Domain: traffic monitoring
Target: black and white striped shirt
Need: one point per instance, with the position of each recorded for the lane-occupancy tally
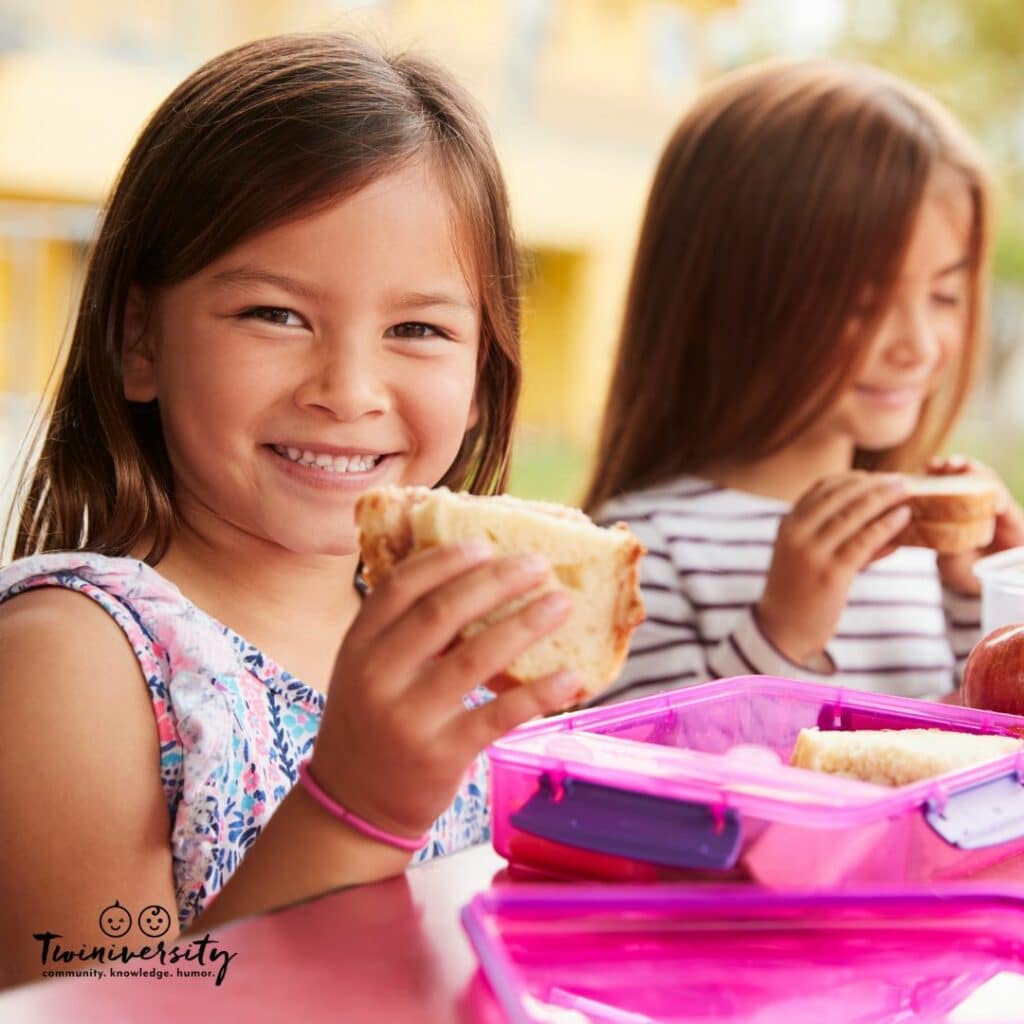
(709, 549)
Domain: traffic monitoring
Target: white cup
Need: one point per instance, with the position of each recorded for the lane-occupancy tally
(1002, 589)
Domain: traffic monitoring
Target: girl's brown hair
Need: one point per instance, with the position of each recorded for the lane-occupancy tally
(260, 134)
(786, 194)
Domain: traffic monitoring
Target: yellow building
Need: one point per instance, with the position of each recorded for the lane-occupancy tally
(580, 93)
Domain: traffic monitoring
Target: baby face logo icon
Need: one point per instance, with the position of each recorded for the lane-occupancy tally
(154, 921)
(115, 921)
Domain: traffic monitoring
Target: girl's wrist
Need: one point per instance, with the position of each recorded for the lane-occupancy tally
(324, 800)
(793, 648)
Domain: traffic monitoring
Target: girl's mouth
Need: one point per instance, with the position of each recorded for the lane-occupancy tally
(890, 398)
(349, 465)
(323, 470)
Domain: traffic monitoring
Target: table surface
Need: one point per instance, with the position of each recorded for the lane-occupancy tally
(393, 951)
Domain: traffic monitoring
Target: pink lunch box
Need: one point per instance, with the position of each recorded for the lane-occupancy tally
(669, 787)
(671, 954)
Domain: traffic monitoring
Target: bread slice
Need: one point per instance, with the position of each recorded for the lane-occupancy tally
(597, 565)
(896, 757)
(951, 513)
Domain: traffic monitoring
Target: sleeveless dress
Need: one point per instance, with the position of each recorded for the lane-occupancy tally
(233, 725)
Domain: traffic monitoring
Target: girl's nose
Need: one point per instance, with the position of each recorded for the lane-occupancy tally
(344, 380)
(914, 340)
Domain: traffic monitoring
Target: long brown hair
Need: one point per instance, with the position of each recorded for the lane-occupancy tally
(788, 192)
(262, 133)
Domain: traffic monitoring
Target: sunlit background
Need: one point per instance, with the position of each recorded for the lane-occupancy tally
(581, 95)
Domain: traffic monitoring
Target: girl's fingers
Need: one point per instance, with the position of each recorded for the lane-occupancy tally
(824, 487)
(874, 539)
(501, 683)
(811, 511)
(476, 729)
(945, 465)
(860, 508)
(487, 655)
(885, 551)
(1009, 525)
(429, 626)
(411, 580)
(836, 503)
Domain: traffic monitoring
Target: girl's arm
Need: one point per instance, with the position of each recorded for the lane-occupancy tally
(396, 738)
(86, 823)
(670, 650)
(839, 526)
(80, 786)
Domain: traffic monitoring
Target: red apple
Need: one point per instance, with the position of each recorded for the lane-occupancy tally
(994, 674)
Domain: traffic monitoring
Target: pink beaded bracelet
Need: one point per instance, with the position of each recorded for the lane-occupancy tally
(332, 806)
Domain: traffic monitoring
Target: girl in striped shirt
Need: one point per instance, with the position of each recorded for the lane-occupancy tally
(803, 322)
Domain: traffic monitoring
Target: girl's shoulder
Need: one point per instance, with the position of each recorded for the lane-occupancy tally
(165, 630)
(127, 579)
(136, 596)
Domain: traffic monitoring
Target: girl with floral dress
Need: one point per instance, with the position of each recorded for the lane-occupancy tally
(304, 285)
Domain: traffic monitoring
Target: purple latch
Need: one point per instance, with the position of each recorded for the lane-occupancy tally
(985, 814)
(672, 833)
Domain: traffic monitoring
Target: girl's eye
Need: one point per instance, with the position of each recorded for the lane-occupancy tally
(952, 301)
(273, 315)
(414, 329)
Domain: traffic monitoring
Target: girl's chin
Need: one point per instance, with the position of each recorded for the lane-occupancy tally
(879, 442)
(323, 546)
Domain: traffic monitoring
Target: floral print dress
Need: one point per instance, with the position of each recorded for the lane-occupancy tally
(233, 725)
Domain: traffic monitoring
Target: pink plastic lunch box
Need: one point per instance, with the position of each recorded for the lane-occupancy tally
(694, 783)
(672, 954)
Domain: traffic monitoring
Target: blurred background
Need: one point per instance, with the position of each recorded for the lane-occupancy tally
(581, 95)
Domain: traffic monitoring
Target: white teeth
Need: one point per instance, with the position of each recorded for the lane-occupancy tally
(332, 463)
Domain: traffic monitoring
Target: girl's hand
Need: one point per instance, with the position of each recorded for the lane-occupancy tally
(840, 525)
(396, 738)
(957, 571)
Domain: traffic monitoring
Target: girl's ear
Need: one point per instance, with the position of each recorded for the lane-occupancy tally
(474, 415)
(138, 363)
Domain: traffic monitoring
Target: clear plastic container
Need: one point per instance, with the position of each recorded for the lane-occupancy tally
(693, 784)
(1002, 588)
(659, 954)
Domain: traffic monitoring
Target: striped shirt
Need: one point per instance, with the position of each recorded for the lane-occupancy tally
(709, 549)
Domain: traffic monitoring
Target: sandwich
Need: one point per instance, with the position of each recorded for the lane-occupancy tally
(950, 514)
(597, 566)
(896, 757)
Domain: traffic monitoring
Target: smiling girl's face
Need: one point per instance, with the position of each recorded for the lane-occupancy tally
(920, 333)
(329, 354)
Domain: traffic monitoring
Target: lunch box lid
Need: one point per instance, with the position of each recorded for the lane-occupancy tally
(624, 954)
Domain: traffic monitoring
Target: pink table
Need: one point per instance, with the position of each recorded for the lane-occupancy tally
(394, 951)
(391, 952)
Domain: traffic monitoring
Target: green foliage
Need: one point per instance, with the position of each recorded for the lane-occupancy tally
(547, 469)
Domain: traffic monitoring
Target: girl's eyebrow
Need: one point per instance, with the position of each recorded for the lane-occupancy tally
(249, 275)
(424, 300)
(953, 267)
(256, 275)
